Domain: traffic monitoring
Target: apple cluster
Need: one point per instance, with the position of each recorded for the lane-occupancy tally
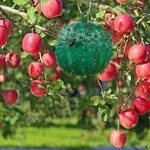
(136, 54)
(11, 59)
(50, 9)
(32, 44)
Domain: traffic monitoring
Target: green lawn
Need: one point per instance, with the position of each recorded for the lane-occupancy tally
(65, 137)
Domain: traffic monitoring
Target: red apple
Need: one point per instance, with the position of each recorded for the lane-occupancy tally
(32, 43)
(118, 138)
(10, 96)
(141, 105)
(58, 69)
(123, 23)
(116, 37)
(2, 61)
(6, 23)
(81, 88)
(3, 77)
(137, 53)
(148, 49)
(36, 90)
(140, 3)
(55, 77)
(3, 35)
(143, 88)
(121, 1)
(35, 69)
(109, 19)
(72, 21)
(12, 60)
(89, 112)
(128, 118)
(143, 70)
(49, 59)
(52, 8)
(109, 73)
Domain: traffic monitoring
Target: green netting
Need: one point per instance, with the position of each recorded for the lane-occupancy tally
(83, 49)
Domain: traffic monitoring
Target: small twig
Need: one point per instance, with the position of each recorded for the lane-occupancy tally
(101, 88)
(125, 104)
(40, 57)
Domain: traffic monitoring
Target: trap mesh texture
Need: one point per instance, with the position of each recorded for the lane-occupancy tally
(83, 49)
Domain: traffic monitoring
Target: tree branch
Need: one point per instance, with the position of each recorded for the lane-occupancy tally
(94, 4)
(24, 16)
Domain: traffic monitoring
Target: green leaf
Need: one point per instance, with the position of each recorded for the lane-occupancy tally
(101, 14)
(113, 99)
(20, 2)
(95, 100)
(105, 115)
(31, 14)
(24, 55)
(104, 109)
(52, 42)
(59, 84)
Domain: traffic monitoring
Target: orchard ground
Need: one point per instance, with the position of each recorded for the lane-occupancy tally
(64, 134)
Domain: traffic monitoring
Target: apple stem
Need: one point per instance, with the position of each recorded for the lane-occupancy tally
(40, 57)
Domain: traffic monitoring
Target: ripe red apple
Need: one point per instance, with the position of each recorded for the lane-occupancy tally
(36, 90)
(109, 19)
(3, 77)
(118, 138)
(2, 61)
(55, 77)
(143, 70)
(141, 105)
(116, 37)
(10, 96)
(6, 23)
(123, 23)
(52, 8)
(72, 21)
(148, 49)
(49, 59)
(143, 88)
(81, 88)
(32, 43)
(35, 69)
(12, 60)
(128, 118)
(3, 35)
(58, 69)
(137, 53)
(109, 73)
(121, 1)
(140, 3)
(89, 112)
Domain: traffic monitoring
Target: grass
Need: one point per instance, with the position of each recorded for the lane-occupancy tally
(70, 137)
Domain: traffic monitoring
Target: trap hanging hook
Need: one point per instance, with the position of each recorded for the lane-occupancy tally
(87, 13)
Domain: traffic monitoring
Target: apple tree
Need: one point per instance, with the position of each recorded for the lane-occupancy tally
(37, 85)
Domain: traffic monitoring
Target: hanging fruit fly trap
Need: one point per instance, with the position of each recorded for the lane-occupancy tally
(83, 48)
